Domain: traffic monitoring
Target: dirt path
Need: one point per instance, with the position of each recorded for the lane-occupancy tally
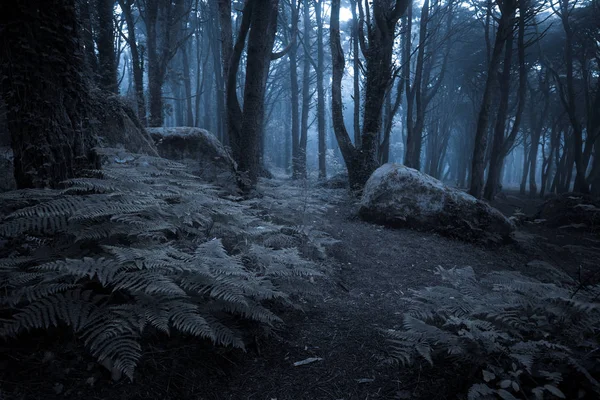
(367, 274)
(369, 271)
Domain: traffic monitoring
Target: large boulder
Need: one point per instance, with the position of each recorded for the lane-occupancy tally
(117, 125)
(399, 196)
(197, 147)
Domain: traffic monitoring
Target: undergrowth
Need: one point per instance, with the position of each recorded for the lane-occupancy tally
(513, 336)
(136, 247)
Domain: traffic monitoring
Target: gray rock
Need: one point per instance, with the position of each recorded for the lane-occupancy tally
(117, 125)
(399, 196)
(198, 147)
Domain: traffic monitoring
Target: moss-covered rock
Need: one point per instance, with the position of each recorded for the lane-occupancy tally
(396, 195)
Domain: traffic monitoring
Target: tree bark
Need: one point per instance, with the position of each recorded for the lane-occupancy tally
(47, 100)
(137, 59)
(481, 133)
(581, 184)
(295, 102)
(107, 62)
(361, 161)
(356, 73)
(260, 20)
(321, 128)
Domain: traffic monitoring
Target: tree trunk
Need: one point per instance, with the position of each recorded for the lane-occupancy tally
(107, 62)
(361, 161)
(137, 60)
(87, 36)
(523, 186)
(306, 95)
(414, 138)
(260, 19)
(155, 75)
(187, 84)
(356, 73)
(481, 133)
(295, 102)
(581, 184)
(322, 134)
(493, 183)
(47, 100)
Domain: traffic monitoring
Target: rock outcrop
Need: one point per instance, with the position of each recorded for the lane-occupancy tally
(197, 147)
(116, 125)
(571, 211)
(404, 197)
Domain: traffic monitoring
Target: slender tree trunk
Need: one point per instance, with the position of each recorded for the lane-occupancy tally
(87, 36)
(55, 144)
(107, 62)
(155, 75)
(187, 84)
(414, 139)
(322, 134)
(137, 59)
(295, 102)
(526, 152)
(356, 73)
(306, 95)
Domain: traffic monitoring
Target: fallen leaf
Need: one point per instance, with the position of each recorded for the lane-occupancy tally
(307, 361)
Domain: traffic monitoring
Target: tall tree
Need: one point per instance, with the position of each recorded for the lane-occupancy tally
(295, 102)
(136, 58)
(47, 99)
(259, 25)
(107, 62)
(162, 20)
(505, 27)
(321, 128)
(502, 145)
(361, 160)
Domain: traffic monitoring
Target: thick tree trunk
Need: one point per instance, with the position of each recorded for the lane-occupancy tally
(493, 183)
(47, 100)
(248, 135)
(361, 161)
(581, 184)
(481, 133)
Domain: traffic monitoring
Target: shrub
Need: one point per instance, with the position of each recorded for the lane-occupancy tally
(519, 337)
(138, 246)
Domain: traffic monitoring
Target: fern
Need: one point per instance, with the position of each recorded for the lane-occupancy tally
(525, 336)
(155, 258)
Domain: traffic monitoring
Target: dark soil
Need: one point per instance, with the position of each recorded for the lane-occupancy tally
(367, 274)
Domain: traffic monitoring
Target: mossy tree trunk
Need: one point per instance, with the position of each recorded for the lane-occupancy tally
(42, 82)
(361, 159)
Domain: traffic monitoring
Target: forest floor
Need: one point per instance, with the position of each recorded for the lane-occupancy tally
(366, 275)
